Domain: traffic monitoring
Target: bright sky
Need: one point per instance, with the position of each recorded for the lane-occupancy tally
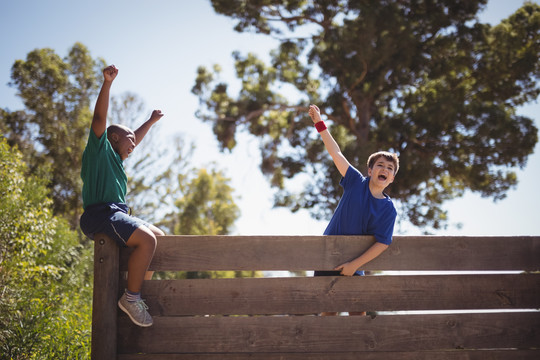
(158, 45)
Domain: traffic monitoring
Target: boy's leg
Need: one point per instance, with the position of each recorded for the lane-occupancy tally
(157, 232)
(113, 219)
(143, 241)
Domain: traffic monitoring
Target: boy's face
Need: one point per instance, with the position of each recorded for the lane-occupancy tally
(382, 172)
(124, 143)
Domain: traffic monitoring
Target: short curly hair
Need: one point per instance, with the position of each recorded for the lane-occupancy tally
(387, 155)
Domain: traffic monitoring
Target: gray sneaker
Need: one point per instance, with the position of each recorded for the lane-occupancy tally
(136, 311)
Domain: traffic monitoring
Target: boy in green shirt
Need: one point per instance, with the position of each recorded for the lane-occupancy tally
(104, 191)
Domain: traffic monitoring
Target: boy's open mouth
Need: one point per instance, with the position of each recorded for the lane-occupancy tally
(382, 177)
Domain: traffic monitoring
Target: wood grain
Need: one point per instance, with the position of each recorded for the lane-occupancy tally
(306, 334)
(273, 318)
(312, 295)
(297, 253)
(379, 355)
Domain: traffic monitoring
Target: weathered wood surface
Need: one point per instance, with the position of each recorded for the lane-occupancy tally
(306, 334)
(313, 295)
(197, 319)
(296, 253)
(104, 308)
(379, 355)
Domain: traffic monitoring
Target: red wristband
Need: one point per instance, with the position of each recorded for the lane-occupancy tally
(320, 126)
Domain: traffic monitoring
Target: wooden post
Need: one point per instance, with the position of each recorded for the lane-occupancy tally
(104, 309)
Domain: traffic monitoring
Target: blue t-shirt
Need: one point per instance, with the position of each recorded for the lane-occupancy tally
(359, 213)
(103, 175)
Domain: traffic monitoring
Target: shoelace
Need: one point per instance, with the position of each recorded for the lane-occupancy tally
(143, 308)
(142, 304)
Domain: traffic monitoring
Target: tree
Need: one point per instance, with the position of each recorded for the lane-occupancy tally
(424, 79)
(204, 205)
(45, 275)
(53, 129)
(207, 207)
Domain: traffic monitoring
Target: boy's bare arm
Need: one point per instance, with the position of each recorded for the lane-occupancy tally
(99, 121)
(349, 268)
(331, 145)
(141, 132)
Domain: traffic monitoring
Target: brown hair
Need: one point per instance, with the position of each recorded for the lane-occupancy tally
(387, 155)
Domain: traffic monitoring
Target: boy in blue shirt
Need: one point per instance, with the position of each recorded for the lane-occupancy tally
(364, 208)
(104, 191)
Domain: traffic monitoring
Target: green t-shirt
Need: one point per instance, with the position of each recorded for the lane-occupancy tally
(103, 175)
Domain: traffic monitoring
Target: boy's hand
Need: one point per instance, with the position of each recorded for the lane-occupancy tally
(110, 72)
(314, 113)
(346, 269)
(140, 133)
(156, 115)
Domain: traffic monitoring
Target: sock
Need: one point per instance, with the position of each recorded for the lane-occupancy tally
(132, 297)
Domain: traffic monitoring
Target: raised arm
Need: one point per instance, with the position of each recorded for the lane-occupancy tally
(99, 121)
(141, 132)
(331, 145)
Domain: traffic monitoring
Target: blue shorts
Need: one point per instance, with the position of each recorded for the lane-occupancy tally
(112, 219)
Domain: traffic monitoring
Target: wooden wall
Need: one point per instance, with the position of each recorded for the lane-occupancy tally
(481, 304)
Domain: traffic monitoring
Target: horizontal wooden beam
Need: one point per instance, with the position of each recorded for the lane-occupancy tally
(379, 355)
(297, 253)
(252, 296)
(318, 334)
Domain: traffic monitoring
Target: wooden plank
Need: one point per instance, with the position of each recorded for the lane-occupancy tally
(379, 355)
(488, 253)
(311, 295)
(104, 308)
(317, 334)
(297, 253)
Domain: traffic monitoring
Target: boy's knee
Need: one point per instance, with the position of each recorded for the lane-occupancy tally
(143, 237)
(157, 231)
(150, 240)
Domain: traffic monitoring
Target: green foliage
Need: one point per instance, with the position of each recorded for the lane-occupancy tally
(209, 274)
(424, 79)
(207, 208)
(204, 205)
(45, 276)
(53, 129)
